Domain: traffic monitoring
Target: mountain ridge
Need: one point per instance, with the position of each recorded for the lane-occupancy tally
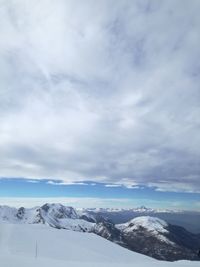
(145, 234)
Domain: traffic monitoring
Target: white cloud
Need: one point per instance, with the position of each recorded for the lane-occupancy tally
(101, 203)
(112, 185)
(75, 202)
(66, 183)
(101, 91)
(32, 181)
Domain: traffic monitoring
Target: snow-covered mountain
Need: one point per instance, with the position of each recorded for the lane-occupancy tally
(154, 237)
(28, 245)
(137, 209)
(55, 215)
(148, 235)
(187, 219)
(152, 224)
(59, 216)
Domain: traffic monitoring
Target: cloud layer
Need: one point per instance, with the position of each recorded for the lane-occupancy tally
(99, 203)
(101, 91)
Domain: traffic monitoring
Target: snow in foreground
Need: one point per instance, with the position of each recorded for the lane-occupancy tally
(66, 248)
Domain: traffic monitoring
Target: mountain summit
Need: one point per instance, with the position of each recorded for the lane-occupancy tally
(145, 234)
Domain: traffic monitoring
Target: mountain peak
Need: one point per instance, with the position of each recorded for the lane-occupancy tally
(59, 211)
(149, 223)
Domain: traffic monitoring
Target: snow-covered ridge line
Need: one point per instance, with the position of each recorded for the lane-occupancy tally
(147, 222)
(141, 209)
(145, 234)
(55, 215)
(154, 226)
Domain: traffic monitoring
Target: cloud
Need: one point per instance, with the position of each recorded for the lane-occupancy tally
(101, 203)
(75, 202)
(66, 183)
(32, 181)
(112, 185)
(105, 92)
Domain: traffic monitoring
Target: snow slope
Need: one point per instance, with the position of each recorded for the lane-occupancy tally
(59, 247)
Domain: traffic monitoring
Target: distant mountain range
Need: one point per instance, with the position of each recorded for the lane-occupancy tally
(138, 209)
(148, 235)
(187, 219)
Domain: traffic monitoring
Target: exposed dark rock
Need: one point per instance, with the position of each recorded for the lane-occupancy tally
(20, 213)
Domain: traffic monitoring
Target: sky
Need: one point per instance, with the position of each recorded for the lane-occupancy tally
(100, 100)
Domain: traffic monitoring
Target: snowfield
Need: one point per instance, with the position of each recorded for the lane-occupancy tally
(28, 245)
